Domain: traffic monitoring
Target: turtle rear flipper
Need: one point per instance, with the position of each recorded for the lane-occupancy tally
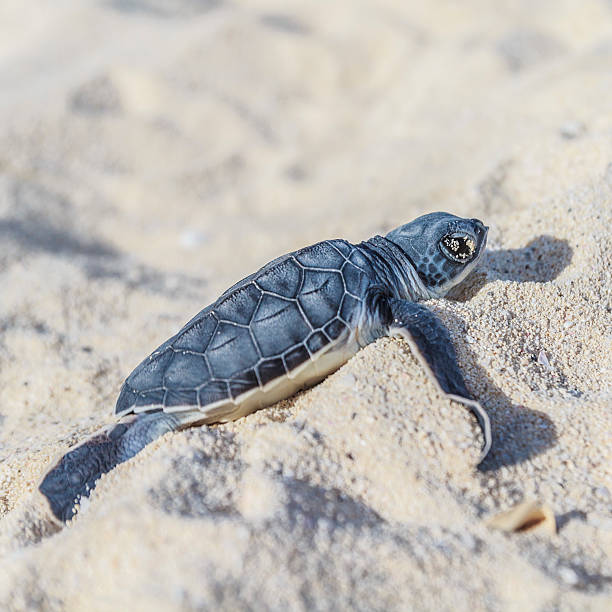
(75, 474)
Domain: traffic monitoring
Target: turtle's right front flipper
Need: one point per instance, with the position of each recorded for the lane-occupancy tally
(432, 345)
(75, 474)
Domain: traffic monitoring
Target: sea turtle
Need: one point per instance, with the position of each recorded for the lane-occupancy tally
(284, 328)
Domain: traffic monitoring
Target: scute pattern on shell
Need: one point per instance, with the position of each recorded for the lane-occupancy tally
(259, 330)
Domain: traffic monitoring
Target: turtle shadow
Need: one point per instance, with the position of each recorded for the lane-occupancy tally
(541, 260)
(519, 433)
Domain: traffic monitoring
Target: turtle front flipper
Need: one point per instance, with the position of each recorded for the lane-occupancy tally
(75, 474)
(432, 345)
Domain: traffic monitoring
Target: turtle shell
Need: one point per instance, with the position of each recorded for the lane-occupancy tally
(264, 329)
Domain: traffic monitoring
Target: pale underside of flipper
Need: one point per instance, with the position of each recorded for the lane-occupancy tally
(430, 342)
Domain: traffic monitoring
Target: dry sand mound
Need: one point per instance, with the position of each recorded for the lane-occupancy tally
(136, 185)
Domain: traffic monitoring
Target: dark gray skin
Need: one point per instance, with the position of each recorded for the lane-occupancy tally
(283, 328)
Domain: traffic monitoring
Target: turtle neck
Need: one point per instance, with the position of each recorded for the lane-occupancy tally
(394, 268)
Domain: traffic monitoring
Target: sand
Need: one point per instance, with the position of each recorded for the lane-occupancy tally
(151, 156)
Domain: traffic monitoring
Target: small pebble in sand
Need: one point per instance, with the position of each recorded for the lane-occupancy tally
(192, 239)
(572, 129)
(568, 575)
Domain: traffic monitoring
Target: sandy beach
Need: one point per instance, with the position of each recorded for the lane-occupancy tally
(152, 154)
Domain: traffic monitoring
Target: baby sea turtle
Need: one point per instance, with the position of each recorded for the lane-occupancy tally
(284, 328)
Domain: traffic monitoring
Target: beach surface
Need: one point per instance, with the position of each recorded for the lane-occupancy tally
(153, 153)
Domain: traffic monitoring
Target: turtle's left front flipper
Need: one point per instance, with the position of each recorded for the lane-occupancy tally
(432, 345)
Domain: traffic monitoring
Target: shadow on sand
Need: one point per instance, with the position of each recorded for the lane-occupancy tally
(519, 433)
(540, 261)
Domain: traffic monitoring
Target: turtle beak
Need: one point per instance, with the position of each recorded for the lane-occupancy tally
(481, 228)
(481, 232)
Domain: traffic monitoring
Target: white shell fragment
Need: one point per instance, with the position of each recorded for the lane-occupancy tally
(543, 359)
(526, 516)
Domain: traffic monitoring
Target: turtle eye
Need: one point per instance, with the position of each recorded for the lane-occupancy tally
(458, 247)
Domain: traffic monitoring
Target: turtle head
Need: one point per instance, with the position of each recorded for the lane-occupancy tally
(443, 248)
